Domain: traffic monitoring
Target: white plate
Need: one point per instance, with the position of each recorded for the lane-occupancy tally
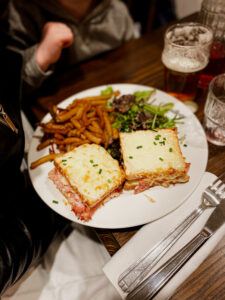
(129, 210)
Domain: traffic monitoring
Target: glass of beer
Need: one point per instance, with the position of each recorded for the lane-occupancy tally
(185, 55)
(214, 112)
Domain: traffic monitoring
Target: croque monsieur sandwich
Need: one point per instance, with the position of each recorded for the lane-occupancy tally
(152, 158)
(87, 176)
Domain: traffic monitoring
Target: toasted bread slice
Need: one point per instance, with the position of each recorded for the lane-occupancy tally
(153, 157)
(91, 172)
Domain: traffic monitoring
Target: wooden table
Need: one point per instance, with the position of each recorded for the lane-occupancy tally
(139, 61)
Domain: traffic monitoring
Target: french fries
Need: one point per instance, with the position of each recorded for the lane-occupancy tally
(85, 120)
(42, 160)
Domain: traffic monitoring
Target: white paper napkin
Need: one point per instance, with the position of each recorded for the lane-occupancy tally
(71, 269)
(153, 232)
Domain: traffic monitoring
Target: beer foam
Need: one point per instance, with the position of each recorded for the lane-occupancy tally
(184, 64)
(189, 35)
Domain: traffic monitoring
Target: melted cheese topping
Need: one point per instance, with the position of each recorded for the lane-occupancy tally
(91, 171)
(148, 152)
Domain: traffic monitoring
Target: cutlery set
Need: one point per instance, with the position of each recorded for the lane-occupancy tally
(135, 279)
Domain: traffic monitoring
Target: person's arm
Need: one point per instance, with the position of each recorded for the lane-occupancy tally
(39, 42)
(40, 58)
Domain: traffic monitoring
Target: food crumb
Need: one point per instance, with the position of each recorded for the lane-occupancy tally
(149, 198)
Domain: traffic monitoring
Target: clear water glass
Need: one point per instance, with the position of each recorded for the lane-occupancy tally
(213, 15)
(214, 112)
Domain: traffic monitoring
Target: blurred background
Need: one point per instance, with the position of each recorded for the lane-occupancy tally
(151, 14)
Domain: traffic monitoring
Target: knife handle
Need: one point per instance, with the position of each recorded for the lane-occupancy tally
(150, 286)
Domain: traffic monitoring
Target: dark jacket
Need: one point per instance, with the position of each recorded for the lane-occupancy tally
(27, 225)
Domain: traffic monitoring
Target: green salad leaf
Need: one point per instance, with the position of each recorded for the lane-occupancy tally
(108, 90)
(158, 109)
(143, 115)
(143, 95)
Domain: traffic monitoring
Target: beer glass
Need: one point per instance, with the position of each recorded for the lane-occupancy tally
(185, 55)
(214, 112)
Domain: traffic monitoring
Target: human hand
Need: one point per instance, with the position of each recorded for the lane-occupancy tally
(55, 37)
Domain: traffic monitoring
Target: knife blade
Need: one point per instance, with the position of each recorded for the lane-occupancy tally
(153, 283)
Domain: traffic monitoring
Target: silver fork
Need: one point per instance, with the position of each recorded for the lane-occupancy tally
(136, 272)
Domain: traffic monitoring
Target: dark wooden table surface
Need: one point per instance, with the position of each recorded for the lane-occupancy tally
(139, 61)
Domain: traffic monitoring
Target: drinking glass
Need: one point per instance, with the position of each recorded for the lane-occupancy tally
(185, 55)
(214, 112)
(212, 14)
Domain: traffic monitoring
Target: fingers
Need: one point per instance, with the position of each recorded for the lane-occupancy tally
(59, 33)
(55, 37)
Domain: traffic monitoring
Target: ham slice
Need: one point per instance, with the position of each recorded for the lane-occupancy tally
(80, 208)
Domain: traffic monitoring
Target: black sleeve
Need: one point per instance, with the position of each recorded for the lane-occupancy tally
(27, 225)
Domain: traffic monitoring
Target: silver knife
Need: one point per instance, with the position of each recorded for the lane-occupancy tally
(153, 283)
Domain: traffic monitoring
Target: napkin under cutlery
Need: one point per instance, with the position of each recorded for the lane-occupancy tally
(153, 232)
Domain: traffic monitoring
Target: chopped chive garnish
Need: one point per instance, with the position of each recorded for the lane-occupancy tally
(130, 157)
(171, 149)
(64, 164)
(160, 158)
(138, 147)
(95, 165)
(91, 161)
(185, 145)
(63, 160)
(100, 171)
(164, 139)
(109, 181)
(154, 143)
(157, 137)
(162, 143)
(154, 130)
(54, 201)
(70, 157)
